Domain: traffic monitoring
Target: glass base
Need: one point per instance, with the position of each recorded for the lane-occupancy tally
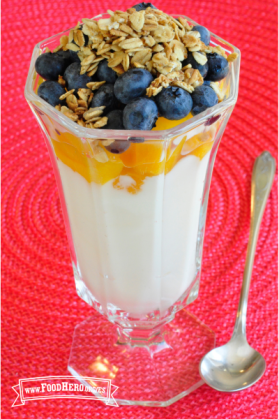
(155, 374)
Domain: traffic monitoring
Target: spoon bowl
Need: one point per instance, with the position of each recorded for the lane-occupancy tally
(232, 367)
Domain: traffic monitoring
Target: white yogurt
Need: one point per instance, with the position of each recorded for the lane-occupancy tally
(137, 252)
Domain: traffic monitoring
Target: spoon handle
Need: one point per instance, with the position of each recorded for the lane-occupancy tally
(262, 178)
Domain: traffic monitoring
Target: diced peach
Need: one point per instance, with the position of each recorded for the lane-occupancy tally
(80, 144)
(105, 171)
(137, 181)
(150, 169)
(40, 80)
(91, 169)
(191, 144)
(202, 150)
(163, 123)
(143, 153)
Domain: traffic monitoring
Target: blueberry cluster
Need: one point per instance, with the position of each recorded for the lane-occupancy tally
(172, 102)
(124, 97)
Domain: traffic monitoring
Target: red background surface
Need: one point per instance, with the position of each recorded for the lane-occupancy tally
(39, 302)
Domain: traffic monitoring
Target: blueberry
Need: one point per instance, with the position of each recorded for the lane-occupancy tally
(212, 120)
(205, 34)
(140, 114)
(120, 106)
(49, 66)
(207, 83)
(73, 78)
(50, 91)
(132, 84)
(105, 97)
(203, 97)
(136, 139)
(115, 120)
(66, 56)
(118, 146)
(174, 103)
(203, 69)
(218, 67)
(74, 56)
(106, 73)
(143, 6)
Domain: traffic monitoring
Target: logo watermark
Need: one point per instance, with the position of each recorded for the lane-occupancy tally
(64, 387)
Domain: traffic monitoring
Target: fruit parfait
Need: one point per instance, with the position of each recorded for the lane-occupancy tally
(133, 105)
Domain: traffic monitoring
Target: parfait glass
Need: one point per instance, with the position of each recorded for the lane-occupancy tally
(135, 223)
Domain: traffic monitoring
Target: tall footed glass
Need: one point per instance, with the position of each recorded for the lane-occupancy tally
(135, 224)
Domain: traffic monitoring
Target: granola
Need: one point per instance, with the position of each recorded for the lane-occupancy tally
(148, 39)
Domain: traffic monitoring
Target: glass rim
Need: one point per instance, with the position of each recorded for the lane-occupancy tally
(90, 133)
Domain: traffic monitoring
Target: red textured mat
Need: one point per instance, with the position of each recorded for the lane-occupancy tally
(40, 307)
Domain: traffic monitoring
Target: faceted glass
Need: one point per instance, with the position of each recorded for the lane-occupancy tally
(135, 223)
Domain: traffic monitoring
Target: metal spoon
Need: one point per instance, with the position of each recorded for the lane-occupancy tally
(236, 366)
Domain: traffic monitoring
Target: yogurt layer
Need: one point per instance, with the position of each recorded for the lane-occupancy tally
(136, 252)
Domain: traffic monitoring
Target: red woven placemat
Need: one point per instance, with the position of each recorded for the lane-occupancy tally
(40, 307)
